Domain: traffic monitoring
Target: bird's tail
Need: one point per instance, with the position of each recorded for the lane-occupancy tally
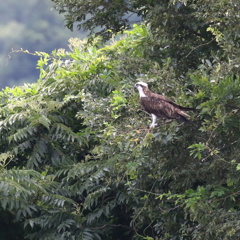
(184, 120)
(187, 108)
(183, 108)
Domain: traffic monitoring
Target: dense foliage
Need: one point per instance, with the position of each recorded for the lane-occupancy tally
(187, 31)
(79, 162)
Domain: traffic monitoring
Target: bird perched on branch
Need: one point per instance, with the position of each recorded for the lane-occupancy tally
(161, 107)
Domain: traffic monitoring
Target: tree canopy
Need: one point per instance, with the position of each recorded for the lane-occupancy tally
(79, 162)
(187, 31)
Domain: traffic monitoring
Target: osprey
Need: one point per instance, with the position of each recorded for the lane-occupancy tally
(159, 106)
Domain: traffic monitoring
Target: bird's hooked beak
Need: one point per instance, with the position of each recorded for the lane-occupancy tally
(135, 86)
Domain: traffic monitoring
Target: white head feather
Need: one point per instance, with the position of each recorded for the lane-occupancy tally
(142, 83)
(139, 86)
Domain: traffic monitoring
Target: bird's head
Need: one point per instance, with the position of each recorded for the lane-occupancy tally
(141, 86)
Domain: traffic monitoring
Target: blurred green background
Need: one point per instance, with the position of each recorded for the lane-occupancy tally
(31, 25)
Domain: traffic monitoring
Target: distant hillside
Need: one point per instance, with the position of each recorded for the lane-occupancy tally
(31, 25)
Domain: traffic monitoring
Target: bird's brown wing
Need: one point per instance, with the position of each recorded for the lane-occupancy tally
(161, 108)
(168, 100)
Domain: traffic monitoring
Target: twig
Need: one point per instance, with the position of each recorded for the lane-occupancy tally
(112, 225)
(198, 47)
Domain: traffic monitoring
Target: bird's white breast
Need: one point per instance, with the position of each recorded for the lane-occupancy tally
(141, 92)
